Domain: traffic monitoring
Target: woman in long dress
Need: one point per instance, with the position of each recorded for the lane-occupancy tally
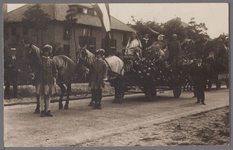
(134, 46)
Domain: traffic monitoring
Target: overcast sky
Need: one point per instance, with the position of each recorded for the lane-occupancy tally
(214, 15)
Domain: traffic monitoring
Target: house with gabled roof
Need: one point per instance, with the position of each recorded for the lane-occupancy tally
(89, 30)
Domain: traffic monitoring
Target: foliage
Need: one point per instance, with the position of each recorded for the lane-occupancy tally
(35, 18)
(193, 30)
(71, 23)
(196, 31)
(174, 27)
(142, 27)
(71, 19)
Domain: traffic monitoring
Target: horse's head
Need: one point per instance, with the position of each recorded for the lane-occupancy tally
(81, 53)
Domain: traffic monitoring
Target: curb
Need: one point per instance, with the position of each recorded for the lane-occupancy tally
(71, 99)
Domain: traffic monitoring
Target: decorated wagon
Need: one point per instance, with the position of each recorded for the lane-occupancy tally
(150, 74)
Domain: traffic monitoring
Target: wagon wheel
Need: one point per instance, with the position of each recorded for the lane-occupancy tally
(119, 94)
(176, 91)
(150, 94)
(218, 85)
(227, 83)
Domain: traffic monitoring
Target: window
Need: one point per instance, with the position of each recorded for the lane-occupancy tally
(13, 30)
(67, 33)
(25, 31)
(89, 41)
(66, 50)
(124, 41)
(79, 10)
(91, 12)
(87, 32)
(84, 10)
(109, 46)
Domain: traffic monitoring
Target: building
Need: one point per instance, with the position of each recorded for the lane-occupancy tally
(88, 30)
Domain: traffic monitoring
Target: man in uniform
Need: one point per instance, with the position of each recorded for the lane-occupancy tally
(199, 76)
(174, 49)
(12, 68)
(98, 74)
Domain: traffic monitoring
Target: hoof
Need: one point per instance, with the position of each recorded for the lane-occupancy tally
(90, 104)
(120, 102)
(66, 107)
(37, 111)
(60, 106)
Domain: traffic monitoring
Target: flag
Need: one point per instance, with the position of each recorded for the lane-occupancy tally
(102, 10)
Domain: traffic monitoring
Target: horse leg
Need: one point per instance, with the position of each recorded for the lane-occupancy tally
(61, 96)
(37, 110)
(68, 94)
(116, 92)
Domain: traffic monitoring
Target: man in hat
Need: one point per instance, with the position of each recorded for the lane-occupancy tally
(46, 83)
(12, 68)
(174, 49)
(199, 76)
(98, 74)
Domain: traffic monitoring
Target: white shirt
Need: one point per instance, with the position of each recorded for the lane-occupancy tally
(134, 43)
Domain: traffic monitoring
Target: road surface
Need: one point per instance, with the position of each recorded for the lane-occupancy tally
(81, 123)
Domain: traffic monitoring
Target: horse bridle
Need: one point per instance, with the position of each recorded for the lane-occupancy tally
(80, 59)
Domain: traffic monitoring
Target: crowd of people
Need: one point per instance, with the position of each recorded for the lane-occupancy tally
(170, 52)
(135, 49)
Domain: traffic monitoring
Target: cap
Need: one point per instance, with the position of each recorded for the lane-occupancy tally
(100, 51)
(13, 49)
(48, 47)
(174, 35)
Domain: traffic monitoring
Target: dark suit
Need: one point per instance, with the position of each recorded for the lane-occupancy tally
(145, 43)
(11, 65)
(174, 51)
(199, 76)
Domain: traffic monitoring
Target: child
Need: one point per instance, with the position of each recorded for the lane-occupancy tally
(45, 84)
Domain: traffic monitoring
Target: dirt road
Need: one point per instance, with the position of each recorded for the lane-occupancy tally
(81, 123)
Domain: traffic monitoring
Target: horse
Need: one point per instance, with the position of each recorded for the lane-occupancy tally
(66, 70)
(115, 69)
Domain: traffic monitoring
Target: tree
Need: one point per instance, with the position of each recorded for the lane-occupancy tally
(167, 29)
(196, 31)
(36, 19)
(142, 27)
(70, 24)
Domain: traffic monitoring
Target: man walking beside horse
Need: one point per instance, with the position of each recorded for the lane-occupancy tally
(98, 74)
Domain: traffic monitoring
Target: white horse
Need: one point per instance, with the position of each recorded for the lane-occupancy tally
(115, 69)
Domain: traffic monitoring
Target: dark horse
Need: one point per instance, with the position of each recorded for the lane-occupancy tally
(66, 70)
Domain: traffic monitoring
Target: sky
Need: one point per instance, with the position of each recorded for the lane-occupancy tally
(214, 15)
